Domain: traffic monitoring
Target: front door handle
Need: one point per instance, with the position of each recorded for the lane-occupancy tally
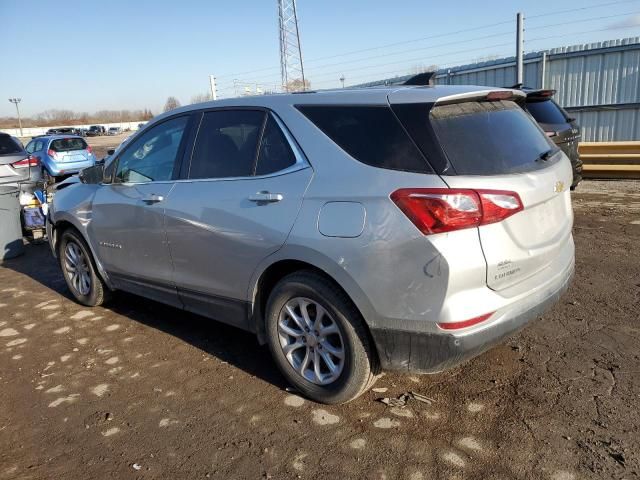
(266, 197)
(153, 198)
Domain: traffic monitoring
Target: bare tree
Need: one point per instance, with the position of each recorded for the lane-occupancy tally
(201, 97)
(297, 86)
(172, 104)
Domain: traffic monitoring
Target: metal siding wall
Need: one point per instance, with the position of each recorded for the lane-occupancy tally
(583, 75)
(609, 125)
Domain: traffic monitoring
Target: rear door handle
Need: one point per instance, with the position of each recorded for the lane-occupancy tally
(266, 197)
(153, 198)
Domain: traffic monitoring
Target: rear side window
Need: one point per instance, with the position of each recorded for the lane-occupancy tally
(68, 144)
(227, 144)
(8, 145)
(489, 138)
(545, 111)
(370, 134)
(275, 151)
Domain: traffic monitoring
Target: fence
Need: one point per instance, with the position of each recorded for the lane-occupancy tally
(599, 83)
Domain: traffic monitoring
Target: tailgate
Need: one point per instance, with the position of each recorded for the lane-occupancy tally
(72, 156)
(10, 174)
(526, 243)
(493, 145)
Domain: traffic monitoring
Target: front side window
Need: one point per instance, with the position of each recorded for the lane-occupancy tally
(227, 144)
(31, 147)
(152, 157)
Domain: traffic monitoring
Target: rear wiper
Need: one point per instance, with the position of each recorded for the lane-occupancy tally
(544, 156)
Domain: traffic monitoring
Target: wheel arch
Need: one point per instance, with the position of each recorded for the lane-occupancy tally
(66, 222)
(280, 265)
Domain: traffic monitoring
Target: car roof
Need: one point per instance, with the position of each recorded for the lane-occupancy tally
(57, 137)
(347, 96)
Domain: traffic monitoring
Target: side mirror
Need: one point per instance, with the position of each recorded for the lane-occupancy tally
(92, 175)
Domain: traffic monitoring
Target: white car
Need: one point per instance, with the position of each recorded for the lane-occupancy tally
(114, 131)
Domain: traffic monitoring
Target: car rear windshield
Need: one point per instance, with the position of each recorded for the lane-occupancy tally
(68, 144)
(370, 134)
(545, 111)
(8, 145)
(489, 138)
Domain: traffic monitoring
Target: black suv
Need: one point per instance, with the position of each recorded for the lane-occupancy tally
(96, 130)
(558, 125)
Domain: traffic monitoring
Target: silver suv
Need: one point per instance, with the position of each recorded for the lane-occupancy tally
(353, 231)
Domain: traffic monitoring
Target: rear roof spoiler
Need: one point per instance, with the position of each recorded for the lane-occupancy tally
(484, 95)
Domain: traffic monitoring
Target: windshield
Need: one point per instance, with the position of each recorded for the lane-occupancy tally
(68, 144)
(490, 138)
(546, 111)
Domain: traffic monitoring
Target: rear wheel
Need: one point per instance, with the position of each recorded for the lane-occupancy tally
(318, 339)
(79, 270)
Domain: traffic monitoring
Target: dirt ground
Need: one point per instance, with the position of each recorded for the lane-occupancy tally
(141, 390)
(100, 145)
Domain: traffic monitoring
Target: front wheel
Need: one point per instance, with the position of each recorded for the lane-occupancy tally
(79, 270)
(318, 339)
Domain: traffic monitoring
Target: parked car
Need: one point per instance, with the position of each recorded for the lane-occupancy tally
(558, 125)
(96, 131)
(402, 228)
(17, 167)
(114, 131)
(61, 155)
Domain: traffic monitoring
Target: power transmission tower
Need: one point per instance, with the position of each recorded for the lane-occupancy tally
(291, 67)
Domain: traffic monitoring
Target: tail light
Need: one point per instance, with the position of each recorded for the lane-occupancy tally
(52, 153)
(438, 210)
(89, 149)
(27, 162)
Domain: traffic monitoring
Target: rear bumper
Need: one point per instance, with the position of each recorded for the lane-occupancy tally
(429, 352)
(56, 169)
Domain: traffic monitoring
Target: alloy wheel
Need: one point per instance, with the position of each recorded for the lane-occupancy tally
(76, 266)
(311, 341)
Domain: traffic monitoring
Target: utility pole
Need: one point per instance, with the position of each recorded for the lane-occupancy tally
(214, 92)
(16, 101)
(519, 49)
(291, 66)
(342, 80)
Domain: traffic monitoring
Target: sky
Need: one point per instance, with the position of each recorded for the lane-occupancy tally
(133, 54)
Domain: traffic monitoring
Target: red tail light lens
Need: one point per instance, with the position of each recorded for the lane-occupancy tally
(52, 153)
(498, 205)
(465, 323)
(438, 210)
(89, 149)
(27, 162)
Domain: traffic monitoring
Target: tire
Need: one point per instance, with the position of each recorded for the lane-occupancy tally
(47, 178)
(335, 326)
(97, 292)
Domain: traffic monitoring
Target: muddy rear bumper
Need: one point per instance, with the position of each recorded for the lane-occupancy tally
(427, 352)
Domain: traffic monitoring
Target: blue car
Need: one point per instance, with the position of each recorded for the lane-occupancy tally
(61, 155)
